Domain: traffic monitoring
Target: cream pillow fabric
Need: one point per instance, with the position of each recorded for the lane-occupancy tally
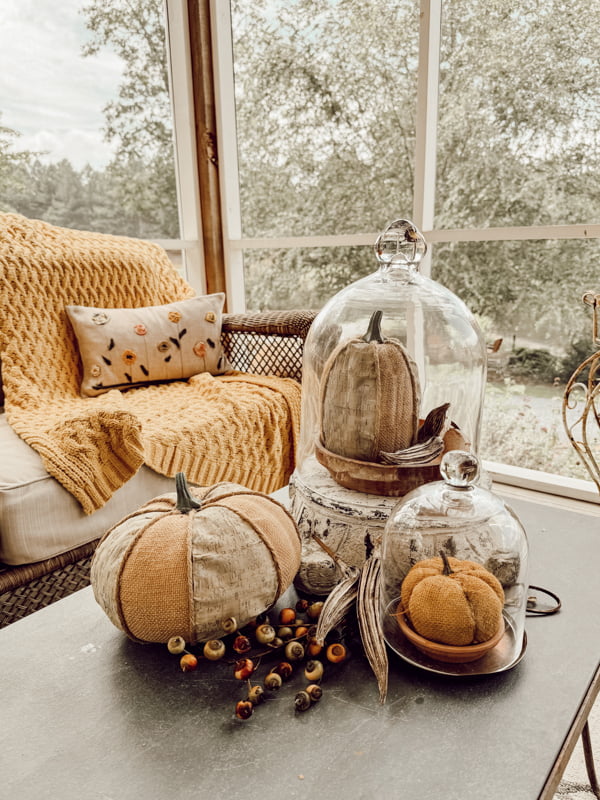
(124, 347)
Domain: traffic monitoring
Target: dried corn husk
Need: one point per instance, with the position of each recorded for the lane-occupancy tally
(338, 603)
(369, 622)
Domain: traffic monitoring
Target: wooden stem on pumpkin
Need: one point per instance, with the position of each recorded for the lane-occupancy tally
(185, 501)
(447, 568)
(373, 333)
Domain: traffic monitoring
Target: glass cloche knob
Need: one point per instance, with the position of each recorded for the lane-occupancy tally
(459, 469)
(400, 244)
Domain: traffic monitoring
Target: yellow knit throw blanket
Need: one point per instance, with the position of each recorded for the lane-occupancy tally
(237, 427)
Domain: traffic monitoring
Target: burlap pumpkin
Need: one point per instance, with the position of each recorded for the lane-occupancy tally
(370, 396)
(184, 563)
(453, 602)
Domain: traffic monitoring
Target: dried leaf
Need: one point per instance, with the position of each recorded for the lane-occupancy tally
(436, 423)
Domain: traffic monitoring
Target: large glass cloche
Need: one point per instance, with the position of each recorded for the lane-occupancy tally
(393, 376)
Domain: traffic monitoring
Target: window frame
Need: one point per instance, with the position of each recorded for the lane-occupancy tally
(225, 197)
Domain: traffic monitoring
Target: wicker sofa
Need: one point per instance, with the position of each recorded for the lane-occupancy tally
(264, 343)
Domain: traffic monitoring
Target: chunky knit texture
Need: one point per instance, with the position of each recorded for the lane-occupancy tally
(240, 428)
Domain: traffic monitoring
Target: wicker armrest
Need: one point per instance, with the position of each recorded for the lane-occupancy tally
(268, 342)
(274, 323)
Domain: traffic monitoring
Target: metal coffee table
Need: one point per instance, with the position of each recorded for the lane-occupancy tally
(88, 714)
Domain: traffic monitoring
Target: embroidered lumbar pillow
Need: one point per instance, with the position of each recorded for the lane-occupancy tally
(125, 347)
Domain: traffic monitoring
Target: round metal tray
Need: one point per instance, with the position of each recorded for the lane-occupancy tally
(502, 657)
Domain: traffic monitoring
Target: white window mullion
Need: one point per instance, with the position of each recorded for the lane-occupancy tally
(222, 45)
(426, 118)
(182, 101)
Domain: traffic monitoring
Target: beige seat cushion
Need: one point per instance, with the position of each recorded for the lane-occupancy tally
(40, 519)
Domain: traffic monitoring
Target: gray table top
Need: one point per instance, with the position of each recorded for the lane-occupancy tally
(86, 713)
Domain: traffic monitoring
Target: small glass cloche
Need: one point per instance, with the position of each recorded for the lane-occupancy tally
(383, 355)
(454, 575)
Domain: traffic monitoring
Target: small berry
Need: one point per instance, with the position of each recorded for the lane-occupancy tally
(229, 625)
(302, 701)
(285, 669)
(273, 681)
(265, 633)
(256, 695)
(313, 647)
(294, 651)
(313, 671)
(188, 662)
(285, 633)
(244, 667)
(244, 709)
(315, 692)
(336, 652)
(176, 645)
(242, 644)
(315, 609)
(214, 649)
(302, 605)
(301, 630)
(287, 616)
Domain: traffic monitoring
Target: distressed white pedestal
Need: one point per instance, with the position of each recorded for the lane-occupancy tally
(350, 523)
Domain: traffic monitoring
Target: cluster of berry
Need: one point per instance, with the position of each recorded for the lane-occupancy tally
(290, 636)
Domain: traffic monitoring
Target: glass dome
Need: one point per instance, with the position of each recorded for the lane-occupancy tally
(439, 346)
(436, 530)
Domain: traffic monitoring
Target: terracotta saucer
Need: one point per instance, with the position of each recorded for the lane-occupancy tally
(451, 654)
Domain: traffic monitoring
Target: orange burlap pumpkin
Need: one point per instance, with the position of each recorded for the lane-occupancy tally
(184, 563)
(453, 602)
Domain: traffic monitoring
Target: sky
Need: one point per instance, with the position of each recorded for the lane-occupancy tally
(48, 92)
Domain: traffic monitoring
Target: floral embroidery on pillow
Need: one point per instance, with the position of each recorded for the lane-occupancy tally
(155, 344)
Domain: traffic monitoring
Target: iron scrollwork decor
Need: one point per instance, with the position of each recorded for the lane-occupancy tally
(581, 400)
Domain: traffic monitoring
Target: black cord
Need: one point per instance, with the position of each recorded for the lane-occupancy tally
(533, 611)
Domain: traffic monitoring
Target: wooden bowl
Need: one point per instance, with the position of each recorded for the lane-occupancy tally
(384, 479)
(450, 654)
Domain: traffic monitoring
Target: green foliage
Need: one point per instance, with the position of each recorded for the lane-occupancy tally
(136, 194)
(577, 352)
(326, 106)
(512, 433)
(140, 119)
(534, 364)
(326, 118)
(13, 167)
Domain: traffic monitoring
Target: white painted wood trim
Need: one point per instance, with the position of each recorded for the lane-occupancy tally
(222, 46)
(582, 231)
(545, 482)
(427, 119)
(186, 171)
(532, 232)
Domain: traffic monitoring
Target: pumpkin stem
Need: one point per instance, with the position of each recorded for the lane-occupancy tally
(447, 568)
(373, 333)
(185, 501)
